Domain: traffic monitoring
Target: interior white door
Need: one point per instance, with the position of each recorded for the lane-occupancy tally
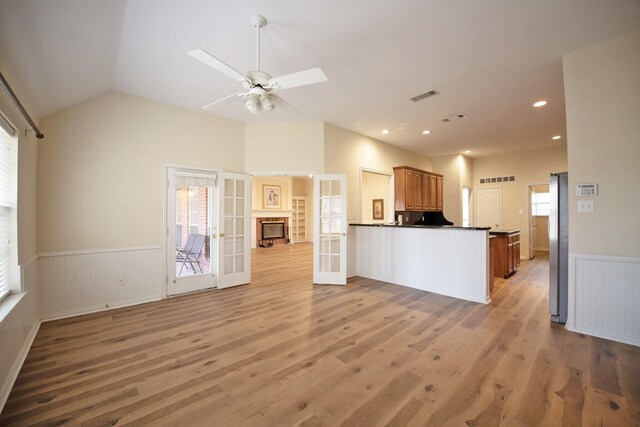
(330, 229)
(191, 199)
(488, 208)
(234, 237)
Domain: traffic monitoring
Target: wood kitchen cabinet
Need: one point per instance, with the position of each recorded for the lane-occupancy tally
(507, 252)
(417, 190)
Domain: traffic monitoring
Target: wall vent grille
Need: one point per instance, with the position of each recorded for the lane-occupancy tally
(497, 179)
(425, 95)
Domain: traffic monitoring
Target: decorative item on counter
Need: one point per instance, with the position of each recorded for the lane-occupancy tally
(378, 209)
(400, 219)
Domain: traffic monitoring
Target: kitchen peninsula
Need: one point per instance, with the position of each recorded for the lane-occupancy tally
(452, 261)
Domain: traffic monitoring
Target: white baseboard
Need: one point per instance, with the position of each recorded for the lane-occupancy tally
(605, 335)
(97, 309)
(17, 365)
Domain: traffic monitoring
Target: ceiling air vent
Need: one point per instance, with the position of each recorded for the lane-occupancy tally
(425, 95)
(454, 117)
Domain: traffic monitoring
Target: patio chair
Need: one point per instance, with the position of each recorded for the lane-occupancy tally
(181, 252)
(191, 254)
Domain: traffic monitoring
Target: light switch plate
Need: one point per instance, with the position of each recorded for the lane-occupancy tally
(585, 206)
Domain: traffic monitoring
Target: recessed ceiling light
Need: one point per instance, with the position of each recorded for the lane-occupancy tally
(386, 131)
(467, 151)
(426, 132)
(556, 137)
(540, 103)
(310, 176)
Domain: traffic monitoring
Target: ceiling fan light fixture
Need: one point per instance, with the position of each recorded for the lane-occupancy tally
(267, 104)
(252, 103)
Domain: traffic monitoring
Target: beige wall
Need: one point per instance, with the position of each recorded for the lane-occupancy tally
(347, 152)
(299, 186)
(602, 91)
(100, 168)
(374, 186)
(529, 168)
(284, 182)
(284, 147)
(457, 171)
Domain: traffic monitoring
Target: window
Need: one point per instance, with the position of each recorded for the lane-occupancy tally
(466, 195)
(8, 224)
(540, 203)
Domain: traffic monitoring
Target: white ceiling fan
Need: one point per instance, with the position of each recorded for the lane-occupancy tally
(259, 86)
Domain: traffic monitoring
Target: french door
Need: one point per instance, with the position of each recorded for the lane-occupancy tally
(234, 240)
(330, 229)
(208, 228)
(191, 248)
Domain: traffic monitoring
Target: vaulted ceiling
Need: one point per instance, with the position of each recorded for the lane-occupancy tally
(489, 59)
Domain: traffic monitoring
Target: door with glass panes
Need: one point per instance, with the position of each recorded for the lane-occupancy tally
(330, 229)
(191, 230)
(234, 252)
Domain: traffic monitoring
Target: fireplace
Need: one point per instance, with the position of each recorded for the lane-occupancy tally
(272, 230)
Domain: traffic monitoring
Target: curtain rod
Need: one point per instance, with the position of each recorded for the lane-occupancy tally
(14, 98)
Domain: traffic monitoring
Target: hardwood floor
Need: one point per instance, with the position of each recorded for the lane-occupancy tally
(284, 352)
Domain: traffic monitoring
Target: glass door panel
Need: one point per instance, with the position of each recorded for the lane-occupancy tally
(235, 207)
(191, 215)
(329, 252)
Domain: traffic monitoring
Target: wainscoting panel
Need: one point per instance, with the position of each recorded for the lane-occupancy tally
(76, 283)
(604, 297)
(446, 261)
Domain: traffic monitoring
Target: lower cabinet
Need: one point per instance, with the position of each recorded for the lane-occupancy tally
(506, 253)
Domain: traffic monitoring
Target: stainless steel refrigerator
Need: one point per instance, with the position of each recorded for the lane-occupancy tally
(558, 246)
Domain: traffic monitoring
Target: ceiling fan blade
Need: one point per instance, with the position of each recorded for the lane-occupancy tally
(281, 99)
(206, 58)
(223, 99)
(301, 78)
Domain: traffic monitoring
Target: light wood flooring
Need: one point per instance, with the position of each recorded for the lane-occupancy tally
(283, 352)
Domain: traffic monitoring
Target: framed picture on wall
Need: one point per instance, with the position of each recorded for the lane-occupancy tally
(271, 196)
(378, 208)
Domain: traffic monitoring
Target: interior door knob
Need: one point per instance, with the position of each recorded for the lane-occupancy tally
(221, 234)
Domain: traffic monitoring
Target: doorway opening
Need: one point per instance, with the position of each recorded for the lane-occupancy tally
(539, 205)
(376, 197)
(207, 229)
(282, 199)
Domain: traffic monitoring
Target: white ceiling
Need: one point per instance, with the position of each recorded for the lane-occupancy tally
(490, 59)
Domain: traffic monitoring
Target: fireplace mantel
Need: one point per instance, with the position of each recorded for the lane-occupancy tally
(271, 213)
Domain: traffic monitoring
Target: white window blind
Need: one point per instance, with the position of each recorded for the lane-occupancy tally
(8, 171)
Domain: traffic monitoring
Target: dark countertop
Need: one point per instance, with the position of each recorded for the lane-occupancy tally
(421, 226)
(504, 231)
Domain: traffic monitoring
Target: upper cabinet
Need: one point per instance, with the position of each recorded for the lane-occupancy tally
(417, 190)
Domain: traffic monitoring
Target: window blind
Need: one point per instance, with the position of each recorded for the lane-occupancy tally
(8, 160)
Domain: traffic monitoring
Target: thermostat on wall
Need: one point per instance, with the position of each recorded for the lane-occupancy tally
(586, 189)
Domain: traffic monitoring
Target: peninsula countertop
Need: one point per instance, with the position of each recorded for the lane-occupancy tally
(448, 227)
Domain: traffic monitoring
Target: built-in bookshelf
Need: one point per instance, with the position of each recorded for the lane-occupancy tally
(299, 219)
